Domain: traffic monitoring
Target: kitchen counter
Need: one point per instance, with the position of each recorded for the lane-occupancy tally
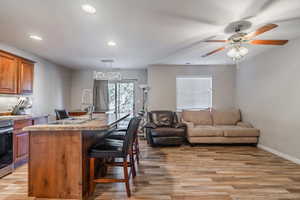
(98, 123)
(22, 117)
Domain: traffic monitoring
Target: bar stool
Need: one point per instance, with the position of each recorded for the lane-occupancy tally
(110, 150)
(120, 135)
(61, 114)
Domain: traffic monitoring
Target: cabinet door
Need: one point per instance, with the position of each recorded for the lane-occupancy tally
(26, 77)
(21, 147)
(8, 74)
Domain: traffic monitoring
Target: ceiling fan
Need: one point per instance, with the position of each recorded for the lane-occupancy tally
(235, 41)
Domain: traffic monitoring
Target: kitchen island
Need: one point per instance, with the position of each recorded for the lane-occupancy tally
(58, 155)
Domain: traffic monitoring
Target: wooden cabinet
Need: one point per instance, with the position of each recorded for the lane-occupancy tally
(8, 74)
(25, 77)
(16, 74)
(21, 147)
(21, 139)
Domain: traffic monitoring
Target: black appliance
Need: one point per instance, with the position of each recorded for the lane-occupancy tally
(6, 147)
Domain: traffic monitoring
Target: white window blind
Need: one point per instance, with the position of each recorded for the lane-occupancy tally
(193, 92)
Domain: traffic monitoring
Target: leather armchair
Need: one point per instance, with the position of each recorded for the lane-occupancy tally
(163, 128)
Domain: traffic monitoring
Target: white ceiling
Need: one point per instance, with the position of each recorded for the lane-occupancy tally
(146, 31)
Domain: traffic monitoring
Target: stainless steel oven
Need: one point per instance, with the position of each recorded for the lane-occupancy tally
(6, 147)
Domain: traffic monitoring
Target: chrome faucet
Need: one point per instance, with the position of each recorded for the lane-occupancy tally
(91, 110)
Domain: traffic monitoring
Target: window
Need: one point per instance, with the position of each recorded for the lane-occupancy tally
(121, 96)
(193, 92)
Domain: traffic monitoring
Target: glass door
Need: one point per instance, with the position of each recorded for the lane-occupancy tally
(121, 97)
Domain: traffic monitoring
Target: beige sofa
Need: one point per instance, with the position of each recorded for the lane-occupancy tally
(218, 126)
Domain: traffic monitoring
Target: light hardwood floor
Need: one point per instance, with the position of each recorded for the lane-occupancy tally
(192, 173)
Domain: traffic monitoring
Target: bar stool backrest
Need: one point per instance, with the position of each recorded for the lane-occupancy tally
(61, 114)
(131, 133)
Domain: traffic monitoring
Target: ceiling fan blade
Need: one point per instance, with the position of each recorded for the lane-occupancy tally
(261, 30)
(212, 52)
(268, 42)
(216, 41)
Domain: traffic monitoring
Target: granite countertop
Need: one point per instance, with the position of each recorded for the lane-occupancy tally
(99, 122)
(22, 117)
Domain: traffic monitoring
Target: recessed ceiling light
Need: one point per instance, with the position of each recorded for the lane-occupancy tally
(111, 43)
(35, 37)
(88, 8)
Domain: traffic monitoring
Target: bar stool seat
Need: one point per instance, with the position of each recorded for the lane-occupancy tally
(117, 135)
(106, 149)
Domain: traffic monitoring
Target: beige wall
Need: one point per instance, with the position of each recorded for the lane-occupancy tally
(83, 79)
(51, 85)
(268, 94)
(162, 82)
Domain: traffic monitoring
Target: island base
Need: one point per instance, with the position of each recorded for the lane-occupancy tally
(58, 163)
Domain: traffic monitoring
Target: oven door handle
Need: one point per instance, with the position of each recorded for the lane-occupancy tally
(7, 130)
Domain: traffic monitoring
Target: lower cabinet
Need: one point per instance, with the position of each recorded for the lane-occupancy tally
(21, 148)
(21, 139)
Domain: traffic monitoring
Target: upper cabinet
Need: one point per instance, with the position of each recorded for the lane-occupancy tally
(16, 74)
(25, 77)
(8, 74)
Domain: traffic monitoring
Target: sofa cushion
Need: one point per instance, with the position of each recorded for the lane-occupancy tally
(204, 130)
(223, 140)
(226, 117)
(197, 117)
(237, 131)
(168, 132)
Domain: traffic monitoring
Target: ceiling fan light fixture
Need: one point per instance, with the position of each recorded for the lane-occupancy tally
(88, 8)
(237, 52)
(243, 51)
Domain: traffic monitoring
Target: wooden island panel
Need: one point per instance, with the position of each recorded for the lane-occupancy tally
(58, 164)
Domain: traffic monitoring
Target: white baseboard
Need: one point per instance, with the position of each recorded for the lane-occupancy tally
(280, 154)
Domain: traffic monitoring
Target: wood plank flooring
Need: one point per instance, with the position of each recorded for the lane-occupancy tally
(193, 173)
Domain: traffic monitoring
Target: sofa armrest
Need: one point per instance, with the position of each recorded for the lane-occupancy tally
(188, 124)
(244, 124)
(150, 125)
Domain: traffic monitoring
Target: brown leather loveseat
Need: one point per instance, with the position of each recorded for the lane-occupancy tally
(163, 128)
